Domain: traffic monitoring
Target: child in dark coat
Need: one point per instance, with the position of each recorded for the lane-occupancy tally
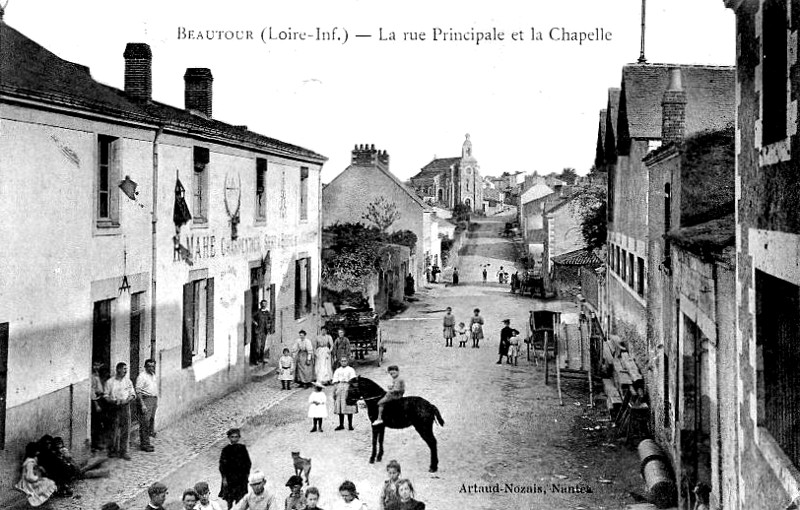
(234, 466)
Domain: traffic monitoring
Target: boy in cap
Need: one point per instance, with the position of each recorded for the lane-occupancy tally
(295, 500)
(258, 498)
(157, 493)
(395, 391)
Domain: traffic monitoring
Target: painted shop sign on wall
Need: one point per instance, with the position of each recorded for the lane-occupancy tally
(212, 246)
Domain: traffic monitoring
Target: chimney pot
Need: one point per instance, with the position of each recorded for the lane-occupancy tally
(138, 71)
(197, 95)
(675, 79)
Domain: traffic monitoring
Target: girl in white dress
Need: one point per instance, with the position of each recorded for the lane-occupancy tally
(322, 358)
(349, 498)
(317, 406)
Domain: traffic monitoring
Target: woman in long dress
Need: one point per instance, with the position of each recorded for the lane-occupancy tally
(303, 352)
(36, 487)
(322, 361)
(341, 380)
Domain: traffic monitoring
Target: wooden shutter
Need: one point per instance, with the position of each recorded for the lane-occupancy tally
(272, 307)
(188, 324)
(3, 381)
(209, 317)
(297, 291)
(308, 286)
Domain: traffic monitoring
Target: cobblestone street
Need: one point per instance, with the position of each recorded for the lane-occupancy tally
(503, 425)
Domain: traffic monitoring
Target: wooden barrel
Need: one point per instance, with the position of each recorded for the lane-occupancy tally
(649, 450)
(660, 487)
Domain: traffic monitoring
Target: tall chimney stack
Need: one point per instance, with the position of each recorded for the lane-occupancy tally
(673, 113)
(197, 95)
(138, 71)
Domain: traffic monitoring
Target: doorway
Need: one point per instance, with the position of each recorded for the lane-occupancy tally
(137, 327)
(101, 336)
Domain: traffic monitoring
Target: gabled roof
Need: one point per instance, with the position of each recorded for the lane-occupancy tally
(612, 115)
(600, 151)
(536, 192)
(582, 257)
(398, 182)
(710, 98)
(560, 201)
(29, 71)
(436, 166)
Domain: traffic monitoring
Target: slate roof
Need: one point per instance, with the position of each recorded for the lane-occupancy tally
(536, 192)
(600, 158)
(612, 116)
(582, 257)
(398, 182)
(559, 202)
(29, 71)
(710, 98)
(436, 166)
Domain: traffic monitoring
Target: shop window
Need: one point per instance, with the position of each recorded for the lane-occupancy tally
(261, 189)
(302, 288)
(198, 321)
(777, 359)
(200, 185)
(774, 71)
(107, 194)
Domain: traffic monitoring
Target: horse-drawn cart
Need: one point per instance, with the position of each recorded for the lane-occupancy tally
(362, 328)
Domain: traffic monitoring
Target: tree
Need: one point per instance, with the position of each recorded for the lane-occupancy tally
(461, 212)
(590, 206)
(382, 213)
(568, 175)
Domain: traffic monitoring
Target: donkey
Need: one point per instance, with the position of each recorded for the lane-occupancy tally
(397, 414)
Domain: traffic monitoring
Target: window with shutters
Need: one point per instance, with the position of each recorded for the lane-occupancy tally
(303, 193)
(640, 276)
(302, 288)
(261, 189)
(198, 321)
(777, 359)
(107, 182)
(775, 92)
(200, 194)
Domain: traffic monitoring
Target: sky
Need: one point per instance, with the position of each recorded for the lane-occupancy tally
(527, 104)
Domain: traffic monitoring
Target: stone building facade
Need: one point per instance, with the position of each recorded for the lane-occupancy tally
(767, 251)
(709, 96)
(100, 265)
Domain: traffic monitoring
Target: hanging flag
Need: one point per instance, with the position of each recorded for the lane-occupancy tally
(180, 212)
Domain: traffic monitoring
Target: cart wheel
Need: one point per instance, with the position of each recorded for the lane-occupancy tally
(380, 347)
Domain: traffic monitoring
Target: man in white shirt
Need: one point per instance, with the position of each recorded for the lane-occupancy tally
(258, 498)
(147, 392)
(120, 394)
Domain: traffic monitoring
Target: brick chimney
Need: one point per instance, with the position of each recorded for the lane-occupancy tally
(138, 71)
(367, 155)
(673, 113)
(197, 95)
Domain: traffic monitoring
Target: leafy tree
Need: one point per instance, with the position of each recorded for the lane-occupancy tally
(352, 257)
(461, 212)
(405, 238)
(568, 175)
(590, 206)
(382, 213)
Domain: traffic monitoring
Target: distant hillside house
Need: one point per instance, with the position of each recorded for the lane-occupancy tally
(452, 181)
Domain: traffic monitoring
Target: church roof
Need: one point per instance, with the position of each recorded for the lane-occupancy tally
(437, 166)
(29, 71)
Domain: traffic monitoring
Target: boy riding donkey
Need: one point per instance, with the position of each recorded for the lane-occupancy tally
(395, 391)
